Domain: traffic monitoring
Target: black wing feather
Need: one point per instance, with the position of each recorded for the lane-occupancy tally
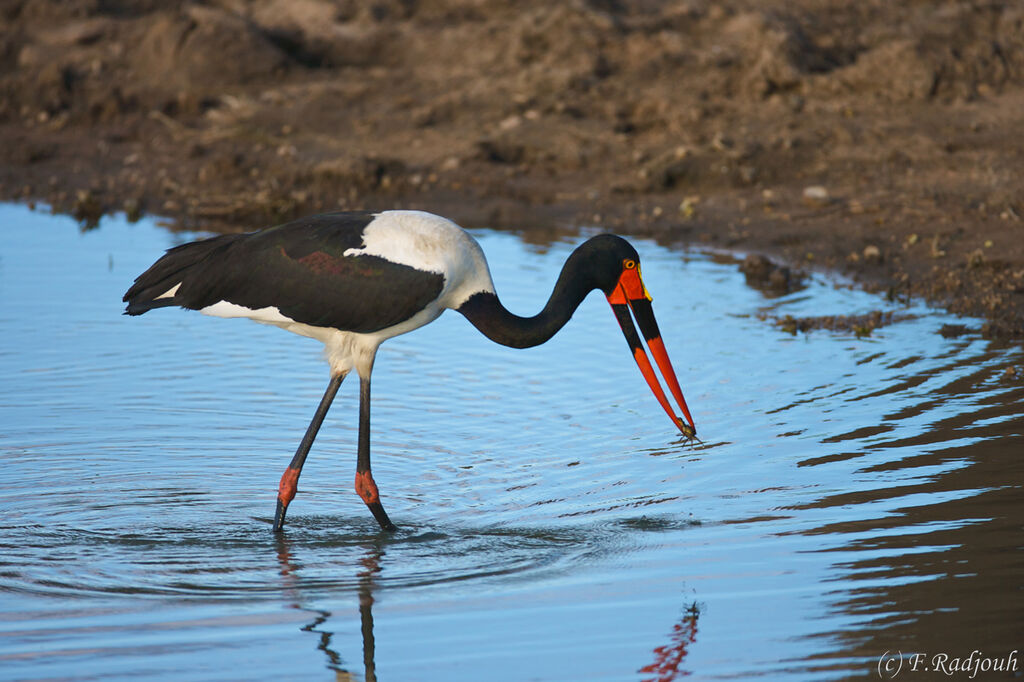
(168, 271)
(299, 268)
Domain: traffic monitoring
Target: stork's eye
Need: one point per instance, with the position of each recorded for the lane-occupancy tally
(629, 264)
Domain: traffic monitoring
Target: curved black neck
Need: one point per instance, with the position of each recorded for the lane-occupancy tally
(487, 314)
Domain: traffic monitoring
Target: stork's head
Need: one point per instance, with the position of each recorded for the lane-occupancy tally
(614, 266)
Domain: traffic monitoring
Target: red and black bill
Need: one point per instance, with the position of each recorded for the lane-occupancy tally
(630, 299)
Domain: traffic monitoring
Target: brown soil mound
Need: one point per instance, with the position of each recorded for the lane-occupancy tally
(877, 138)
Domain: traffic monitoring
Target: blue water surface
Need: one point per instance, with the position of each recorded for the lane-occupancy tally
(852, 496)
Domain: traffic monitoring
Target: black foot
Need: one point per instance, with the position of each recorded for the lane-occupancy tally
(279, 517)
(382, 517)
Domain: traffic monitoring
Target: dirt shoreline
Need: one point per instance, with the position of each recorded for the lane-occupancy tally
(868, 138)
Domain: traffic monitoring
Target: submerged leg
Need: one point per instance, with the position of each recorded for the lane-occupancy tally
(365, 486)
(290, 480)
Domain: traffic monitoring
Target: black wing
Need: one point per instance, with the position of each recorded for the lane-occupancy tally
(299, 268)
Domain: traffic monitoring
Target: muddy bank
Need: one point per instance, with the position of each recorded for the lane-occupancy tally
(876, 139)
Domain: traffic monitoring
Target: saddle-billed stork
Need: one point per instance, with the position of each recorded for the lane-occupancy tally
(354, 279)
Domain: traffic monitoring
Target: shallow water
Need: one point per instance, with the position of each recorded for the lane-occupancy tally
(852, 496)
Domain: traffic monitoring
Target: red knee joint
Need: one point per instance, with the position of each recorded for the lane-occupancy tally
(366, 488)
(289, 485)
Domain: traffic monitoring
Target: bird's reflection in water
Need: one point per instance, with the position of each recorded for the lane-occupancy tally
(370, 563)
(371, 567)
(668, 658)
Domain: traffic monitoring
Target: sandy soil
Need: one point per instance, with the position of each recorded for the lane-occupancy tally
(883, 140)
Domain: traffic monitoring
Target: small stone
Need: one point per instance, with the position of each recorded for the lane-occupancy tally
(722, 142)
(872, 254)
(816, 196)
(688, 207)
(510, 123)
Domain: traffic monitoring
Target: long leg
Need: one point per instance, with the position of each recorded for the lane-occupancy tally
(365, 486)
(290, 480)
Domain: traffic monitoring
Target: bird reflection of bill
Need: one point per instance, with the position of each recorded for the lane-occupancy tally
(668, 658)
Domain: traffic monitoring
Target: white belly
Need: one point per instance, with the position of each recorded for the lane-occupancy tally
(344, 350)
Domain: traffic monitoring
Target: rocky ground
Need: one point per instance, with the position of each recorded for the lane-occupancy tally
(883, 140)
